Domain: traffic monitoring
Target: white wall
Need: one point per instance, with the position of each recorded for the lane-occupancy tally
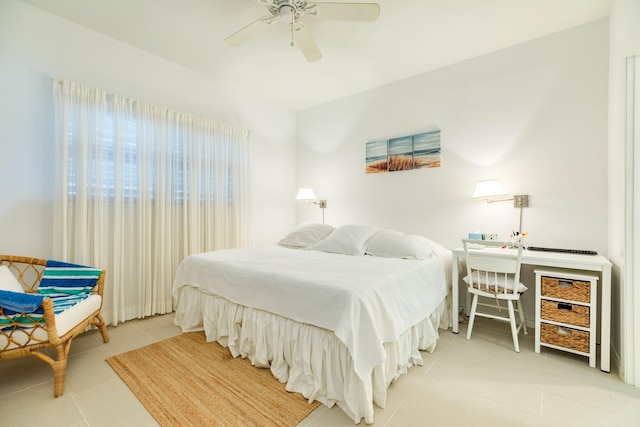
(533, 116)
(35, 45)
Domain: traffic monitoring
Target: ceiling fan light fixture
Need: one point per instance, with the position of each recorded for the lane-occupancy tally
(287, 13)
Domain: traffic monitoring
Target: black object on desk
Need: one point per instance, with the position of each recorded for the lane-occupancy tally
(566, 251)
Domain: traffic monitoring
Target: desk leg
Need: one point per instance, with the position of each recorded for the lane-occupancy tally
(605, 321)
(454, 294)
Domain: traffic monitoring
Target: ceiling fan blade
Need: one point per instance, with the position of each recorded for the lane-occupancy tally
(302, 37)
(347, 11)
(251, 30)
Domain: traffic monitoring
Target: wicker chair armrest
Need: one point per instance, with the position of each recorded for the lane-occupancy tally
(50, 321)
(98, 289)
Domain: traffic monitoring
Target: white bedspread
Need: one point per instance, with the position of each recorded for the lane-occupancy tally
(366, 301)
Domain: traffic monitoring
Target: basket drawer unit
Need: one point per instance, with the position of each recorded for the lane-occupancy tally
(570, 290)
(565, 312)
(562, 336)
(566, 307)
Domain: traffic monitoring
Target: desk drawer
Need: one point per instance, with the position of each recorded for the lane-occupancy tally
(567, 289)
(564, 337)
(563, 312)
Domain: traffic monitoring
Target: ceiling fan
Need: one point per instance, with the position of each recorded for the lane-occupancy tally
(292, 12)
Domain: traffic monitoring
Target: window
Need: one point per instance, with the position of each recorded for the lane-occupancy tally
(142, 186)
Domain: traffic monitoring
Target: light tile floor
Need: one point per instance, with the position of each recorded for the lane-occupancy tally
(481, 382)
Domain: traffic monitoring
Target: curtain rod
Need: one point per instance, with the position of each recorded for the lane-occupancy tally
(59, 81)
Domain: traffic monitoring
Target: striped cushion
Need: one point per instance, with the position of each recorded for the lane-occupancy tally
(63, 279)
(8, 321)
(17, 335)
(60, 304)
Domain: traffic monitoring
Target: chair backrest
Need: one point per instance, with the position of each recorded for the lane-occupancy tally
(491, 267)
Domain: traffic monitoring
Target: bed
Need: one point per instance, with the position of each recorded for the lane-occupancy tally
(336, 313)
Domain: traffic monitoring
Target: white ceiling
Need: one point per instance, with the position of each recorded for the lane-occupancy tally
(410, 37)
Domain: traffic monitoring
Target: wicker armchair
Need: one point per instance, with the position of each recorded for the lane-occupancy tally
(19, 337)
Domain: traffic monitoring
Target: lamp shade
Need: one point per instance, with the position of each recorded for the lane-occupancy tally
(306, 194)
(488, 189)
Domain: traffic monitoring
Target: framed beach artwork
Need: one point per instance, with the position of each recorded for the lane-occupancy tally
(377, 155)
(405, 153)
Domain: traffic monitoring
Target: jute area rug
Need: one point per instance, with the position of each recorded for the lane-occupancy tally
(186, 381)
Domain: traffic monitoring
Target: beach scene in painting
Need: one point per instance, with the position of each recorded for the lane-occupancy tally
(426, 150)
(405, 153)
(400, 154)
(377, 154)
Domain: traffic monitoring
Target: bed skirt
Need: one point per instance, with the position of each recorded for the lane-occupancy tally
(310, 360)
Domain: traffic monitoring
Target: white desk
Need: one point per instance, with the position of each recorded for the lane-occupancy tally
(596, 263)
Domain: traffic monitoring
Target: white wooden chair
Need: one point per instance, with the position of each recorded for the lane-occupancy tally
(493, 272)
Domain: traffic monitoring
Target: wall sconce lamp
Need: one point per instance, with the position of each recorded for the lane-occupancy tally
(309, 196)
(492, 191)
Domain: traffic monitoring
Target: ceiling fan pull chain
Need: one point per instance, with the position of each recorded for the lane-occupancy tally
(293, 23)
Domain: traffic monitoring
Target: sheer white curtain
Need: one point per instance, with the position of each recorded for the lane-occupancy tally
(139, 187)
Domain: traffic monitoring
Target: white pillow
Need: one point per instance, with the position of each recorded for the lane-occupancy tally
(394, 244)
(492, 282)
(305, 235)
(8, 281)
(347, 240)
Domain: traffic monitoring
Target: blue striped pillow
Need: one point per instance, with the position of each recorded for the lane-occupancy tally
(61, 279)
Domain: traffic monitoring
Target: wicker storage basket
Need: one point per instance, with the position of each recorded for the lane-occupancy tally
(571, 290)
(564, 337)
(561, 312)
